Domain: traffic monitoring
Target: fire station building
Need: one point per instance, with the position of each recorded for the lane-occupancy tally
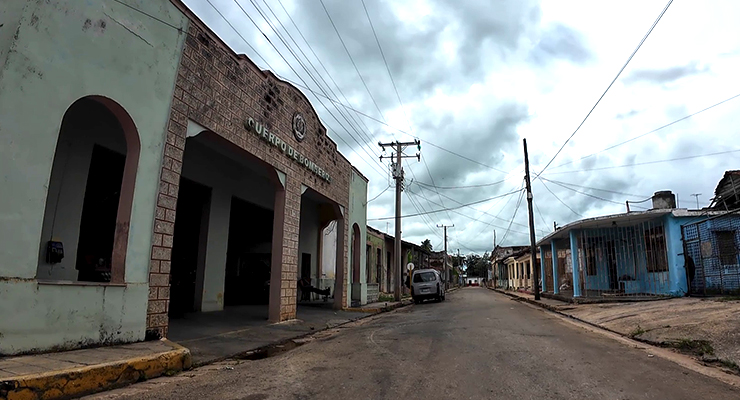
(150, 172)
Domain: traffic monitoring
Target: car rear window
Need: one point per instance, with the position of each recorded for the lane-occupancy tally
(424, 277)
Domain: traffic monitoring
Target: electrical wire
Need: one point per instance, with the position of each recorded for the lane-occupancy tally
(473, 218)
(646, 162)
(352, 59)
(299, 76)
(600, 190)
(379, 194)
(274, 29)
(486, 213)
(516, 209)
(588, 194)
(542, 181)
(462, 187)
(648, 133)
(354, 119)
(448, 208)
(607, 88)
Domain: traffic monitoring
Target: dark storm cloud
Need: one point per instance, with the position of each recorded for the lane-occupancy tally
(416, 53)
(481, 137)
(665, 75)
(560, 42)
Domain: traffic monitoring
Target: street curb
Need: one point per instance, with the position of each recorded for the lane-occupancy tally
(378, 310)
(79, 381)
(304, 335)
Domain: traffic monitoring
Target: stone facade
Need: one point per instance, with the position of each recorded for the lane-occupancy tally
(220, 91)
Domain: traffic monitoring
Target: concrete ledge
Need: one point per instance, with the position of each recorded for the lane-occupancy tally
(79, 381)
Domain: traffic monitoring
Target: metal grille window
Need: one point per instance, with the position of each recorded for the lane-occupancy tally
(655, 250)
(591, 256)
(726, 247)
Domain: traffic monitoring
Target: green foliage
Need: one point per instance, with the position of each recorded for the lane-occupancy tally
(477, 266)
(427, 245)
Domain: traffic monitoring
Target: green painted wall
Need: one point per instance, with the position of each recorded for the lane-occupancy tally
(64, 50)
(358, 215)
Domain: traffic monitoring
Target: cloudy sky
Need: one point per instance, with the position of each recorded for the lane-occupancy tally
(474, 78)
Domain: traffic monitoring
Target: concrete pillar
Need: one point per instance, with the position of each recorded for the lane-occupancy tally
(542, 268)
(574, 261)
(214, 275)
(555, 278)
(276, 262)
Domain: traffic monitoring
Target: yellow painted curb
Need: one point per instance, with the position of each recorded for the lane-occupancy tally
(95, 378)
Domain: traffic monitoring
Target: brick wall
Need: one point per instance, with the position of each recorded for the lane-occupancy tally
(220, 90)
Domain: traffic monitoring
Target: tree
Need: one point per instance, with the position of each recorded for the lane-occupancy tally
(427, 245)
(477, 266)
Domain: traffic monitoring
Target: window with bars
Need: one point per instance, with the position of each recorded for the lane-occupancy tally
(655, 250)
(726, 247)
(591, 256)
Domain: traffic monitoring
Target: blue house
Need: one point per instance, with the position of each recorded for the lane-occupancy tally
(638, 253)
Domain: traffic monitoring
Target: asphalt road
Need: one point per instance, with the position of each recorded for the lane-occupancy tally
(476, 345)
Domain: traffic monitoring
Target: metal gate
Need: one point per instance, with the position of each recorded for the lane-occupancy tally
(711, 255)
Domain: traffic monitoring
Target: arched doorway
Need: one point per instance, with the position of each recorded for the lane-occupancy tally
(90, 193)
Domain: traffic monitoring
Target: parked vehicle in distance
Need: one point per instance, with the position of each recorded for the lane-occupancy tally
(427, 284)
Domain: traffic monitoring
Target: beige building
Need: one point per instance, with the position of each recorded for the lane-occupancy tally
(520, 274)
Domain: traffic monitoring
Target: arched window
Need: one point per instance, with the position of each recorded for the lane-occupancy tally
(90, 193)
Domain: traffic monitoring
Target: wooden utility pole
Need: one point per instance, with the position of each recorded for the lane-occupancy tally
(444, 260)
(535, 270)
(397, 168)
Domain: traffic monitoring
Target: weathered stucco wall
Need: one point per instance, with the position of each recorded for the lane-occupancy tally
(64, 50)
(10, 19)
(358, 215)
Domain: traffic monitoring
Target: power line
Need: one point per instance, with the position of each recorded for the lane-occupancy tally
(462, 187)
(542, 181)
(395, 88)
(542, 216)
(647, 162)
(316, 70)
(448, 208)
(518, 204)
(294, 71)
(355, 116)
(464, 157)
(521, 187)
(652, 131)
(600, 190)
(608, 87)
(472, 218)
(587, 194)
(352, 59)
(379, 194)
(486, 213)
(304, 87)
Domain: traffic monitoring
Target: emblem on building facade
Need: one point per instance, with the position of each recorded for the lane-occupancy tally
(299, 127)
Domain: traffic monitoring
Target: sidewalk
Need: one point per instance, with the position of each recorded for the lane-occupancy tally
(74, 373)
(219, 335)
(207, 337)
(706, 328)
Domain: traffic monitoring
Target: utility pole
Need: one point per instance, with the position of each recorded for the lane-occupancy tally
(697, 199)
(397, 168)
(458, 264)
(444, 260)
(535, 270)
